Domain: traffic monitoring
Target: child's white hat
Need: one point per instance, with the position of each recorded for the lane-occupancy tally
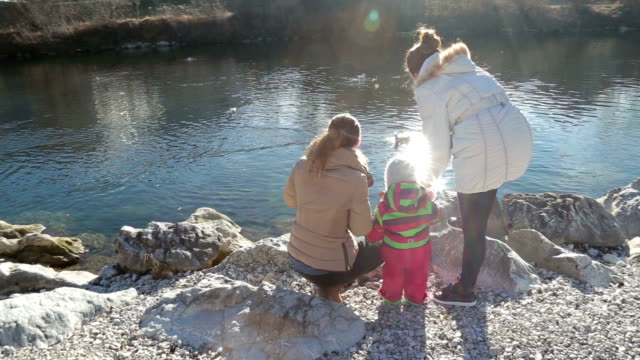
(400, 168)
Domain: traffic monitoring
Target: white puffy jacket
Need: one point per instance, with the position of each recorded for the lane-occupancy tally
(466, 113)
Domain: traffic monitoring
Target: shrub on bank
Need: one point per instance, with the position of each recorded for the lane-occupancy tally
(52, 26)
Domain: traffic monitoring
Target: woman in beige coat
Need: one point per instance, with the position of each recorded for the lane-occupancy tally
(329, 189)
(467, 114)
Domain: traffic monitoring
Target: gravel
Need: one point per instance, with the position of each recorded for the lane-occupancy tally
(560, 319)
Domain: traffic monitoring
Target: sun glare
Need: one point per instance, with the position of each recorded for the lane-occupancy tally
(417, 150)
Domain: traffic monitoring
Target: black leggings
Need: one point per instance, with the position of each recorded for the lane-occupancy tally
(368, 259)
(474, 210)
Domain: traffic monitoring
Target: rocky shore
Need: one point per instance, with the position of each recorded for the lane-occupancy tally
(560, 283)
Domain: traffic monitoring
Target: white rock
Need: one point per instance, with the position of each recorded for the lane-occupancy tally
(593, 252)
(611, 259)
(502, 269)
(624, 204)
(47, 318)
(270, 252)
(566, 218)
(9, 231)
(108, 272)
(253, 323)
(43, 249)
(535, 247)
(18, 278)
(447, 202)
(169, 248)
(634, 249)
(208, 214)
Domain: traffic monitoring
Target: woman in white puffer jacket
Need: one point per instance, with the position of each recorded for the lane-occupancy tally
(466, 113)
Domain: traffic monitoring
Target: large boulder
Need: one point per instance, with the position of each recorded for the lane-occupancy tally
(253, 323)
(165, 248)
(266, 252)
(43, 249)
(43, 319)
(564, 219)
(502, 269)
(535, 247)
(447, 202)
(266, 260)
(208, 214)
(634, 250)
(19, 278)
(624, 204)
(18, 231)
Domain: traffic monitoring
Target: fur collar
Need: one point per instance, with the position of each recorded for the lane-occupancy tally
(435, 63)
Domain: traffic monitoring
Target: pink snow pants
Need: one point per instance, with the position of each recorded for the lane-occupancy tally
(405, 270)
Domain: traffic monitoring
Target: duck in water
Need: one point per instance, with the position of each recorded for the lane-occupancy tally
(401, 139)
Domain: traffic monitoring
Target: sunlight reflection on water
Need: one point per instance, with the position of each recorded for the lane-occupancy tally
(126, 140)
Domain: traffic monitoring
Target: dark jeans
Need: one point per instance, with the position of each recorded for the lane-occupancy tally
(367, 260)
(474, 210)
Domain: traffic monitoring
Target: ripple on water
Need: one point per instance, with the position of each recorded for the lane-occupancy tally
(127, 143)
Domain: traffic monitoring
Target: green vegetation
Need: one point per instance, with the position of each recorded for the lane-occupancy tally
(45, 26)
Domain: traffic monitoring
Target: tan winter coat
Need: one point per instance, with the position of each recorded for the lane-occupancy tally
(466, 113)
(328, 206)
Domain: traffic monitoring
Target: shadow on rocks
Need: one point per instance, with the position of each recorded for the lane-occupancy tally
(399, 333)
(472, 324)
(547, 276)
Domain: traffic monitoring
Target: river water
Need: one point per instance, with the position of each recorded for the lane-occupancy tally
(89, 144)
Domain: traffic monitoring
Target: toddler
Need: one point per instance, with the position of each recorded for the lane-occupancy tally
(402, 221)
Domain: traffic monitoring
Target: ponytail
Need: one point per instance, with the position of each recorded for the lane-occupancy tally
(344, 131)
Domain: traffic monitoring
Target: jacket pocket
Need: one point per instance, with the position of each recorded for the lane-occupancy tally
(345, 253)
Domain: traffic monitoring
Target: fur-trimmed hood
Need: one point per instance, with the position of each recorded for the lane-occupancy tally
(454, 59)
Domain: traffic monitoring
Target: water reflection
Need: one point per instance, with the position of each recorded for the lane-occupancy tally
(126, 140)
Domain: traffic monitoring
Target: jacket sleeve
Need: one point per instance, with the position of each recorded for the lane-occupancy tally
(290, 192)
(377, 233)
(360, 221)
(435, 125)
(434, 217)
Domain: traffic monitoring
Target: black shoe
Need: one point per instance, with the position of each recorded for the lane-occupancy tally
(455, 294)
(455, 223)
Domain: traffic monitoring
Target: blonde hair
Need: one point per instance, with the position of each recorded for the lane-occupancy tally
(429, 43)
(344, 131)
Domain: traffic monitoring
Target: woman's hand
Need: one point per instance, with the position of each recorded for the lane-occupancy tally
(369, 179)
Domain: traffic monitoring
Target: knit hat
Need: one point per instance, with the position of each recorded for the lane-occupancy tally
(399, 169)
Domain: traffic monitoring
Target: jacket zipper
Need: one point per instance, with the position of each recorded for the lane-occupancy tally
(346, 258)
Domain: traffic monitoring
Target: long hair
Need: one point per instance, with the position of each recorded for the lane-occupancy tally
(344, 131)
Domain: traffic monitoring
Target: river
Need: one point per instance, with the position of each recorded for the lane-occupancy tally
(89, 144)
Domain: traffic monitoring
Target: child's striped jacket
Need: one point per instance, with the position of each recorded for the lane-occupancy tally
(404, 215)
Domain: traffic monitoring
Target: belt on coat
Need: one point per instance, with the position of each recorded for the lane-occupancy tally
(484, 103)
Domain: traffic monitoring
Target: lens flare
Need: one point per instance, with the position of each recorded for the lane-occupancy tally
(372, 21)
(418, 152)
